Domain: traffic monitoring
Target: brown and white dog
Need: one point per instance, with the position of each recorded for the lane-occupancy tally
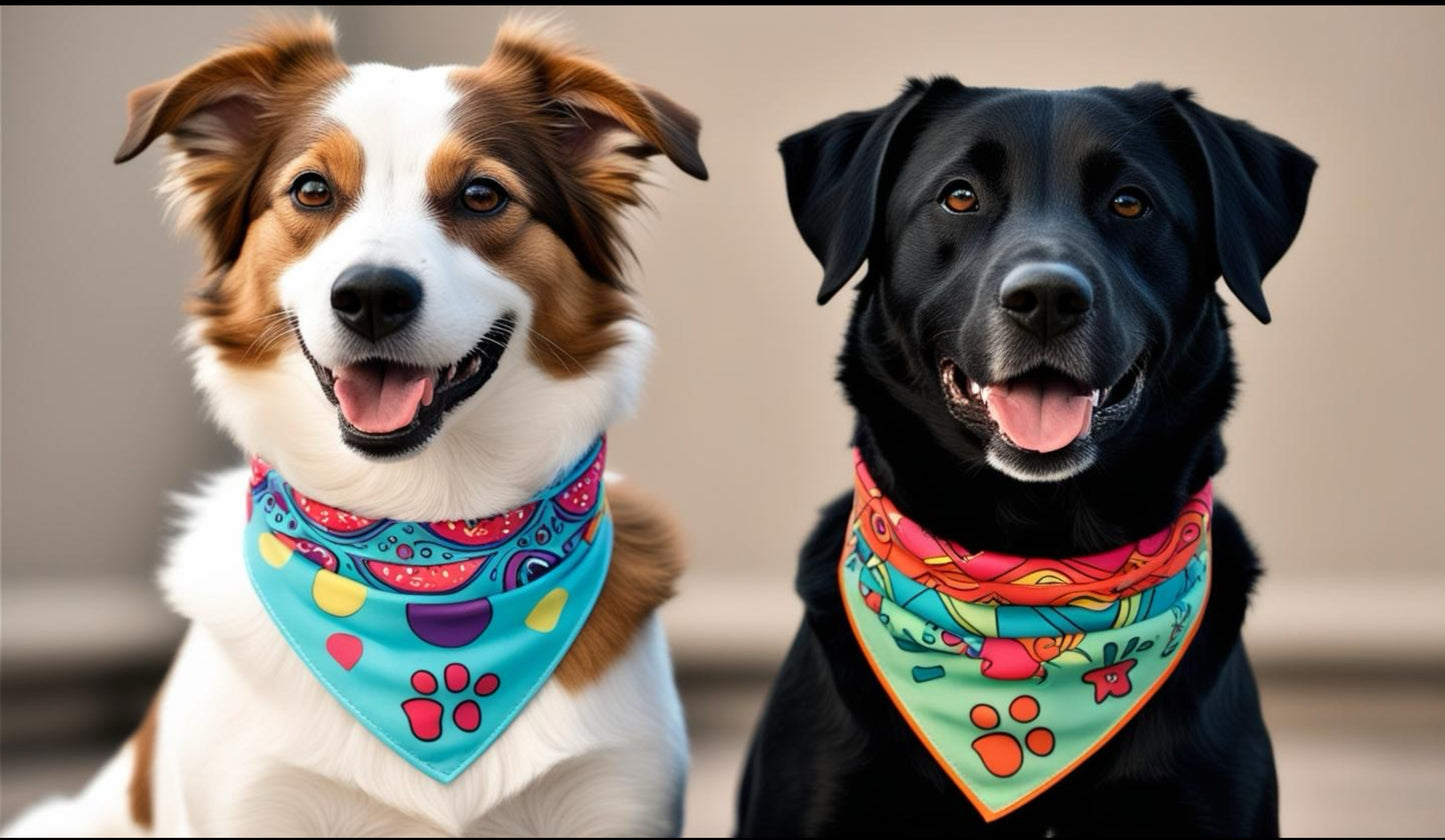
(475, 204)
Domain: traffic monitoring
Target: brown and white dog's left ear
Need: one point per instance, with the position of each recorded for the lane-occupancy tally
(216, 114)
(590, 102)
(1259, 185)
(599, 127)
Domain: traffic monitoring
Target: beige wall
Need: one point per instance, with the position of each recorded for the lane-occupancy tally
(1335, 445)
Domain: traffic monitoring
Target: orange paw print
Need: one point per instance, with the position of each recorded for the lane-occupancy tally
(1001, 752)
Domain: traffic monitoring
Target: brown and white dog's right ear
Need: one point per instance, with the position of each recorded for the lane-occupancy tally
(216, 114)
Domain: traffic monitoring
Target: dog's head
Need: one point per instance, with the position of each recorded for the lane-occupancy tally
(414, 275)
(1036, 260)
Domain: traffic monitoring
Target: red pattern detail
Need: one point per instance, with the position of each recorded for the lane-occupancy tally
(332, 519)
(1007, 659)
(456, 676)
(424, 682)
(425, 717)
(581, 495)
(487, 684)
(467, 715)
(991, 578)
(1111, 680)
(345, 649)
(436, 579)
(475, 533)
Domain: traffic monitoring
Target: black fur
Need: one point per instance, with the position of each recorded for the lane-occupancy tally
(831, 754)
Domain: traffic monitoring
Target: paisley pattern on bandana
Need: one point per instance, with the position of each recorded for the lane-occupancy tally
(1013, 670)
(434, 635)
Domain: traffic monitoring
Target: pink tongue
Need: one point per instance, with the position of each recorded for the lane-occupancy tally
(1042, 417)
(381, 398)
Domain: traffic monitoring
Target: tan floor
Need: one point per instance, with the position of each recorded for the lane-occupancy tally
(1364, 758)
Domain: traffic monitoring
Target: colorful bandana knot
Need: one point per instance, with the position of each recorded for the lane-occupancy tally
(433, 634)
(1013, 670)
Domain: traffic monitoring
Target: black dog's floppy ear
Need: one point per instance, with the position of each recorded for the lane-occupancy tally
(1259, 185)
(833, 171)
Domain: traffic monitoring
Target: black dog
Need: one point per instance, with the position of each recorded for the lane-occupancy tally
(1054, 245)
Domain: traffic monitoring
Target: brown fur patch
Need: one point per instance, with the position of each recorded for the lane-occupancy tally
(142, 804)
(574, 320)
(574, 314)
(234, 122)
(568, 138)
(241, 315)
(646, 562)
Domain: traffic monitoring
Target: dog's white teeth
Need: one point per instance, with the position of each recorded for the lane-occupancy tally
(451, 373)
(984, 392)
(474, 365)
(1097, 396)
(975, 387)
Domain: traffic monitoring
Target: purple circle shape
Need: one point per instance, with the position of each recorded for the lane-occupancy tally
(449, 625)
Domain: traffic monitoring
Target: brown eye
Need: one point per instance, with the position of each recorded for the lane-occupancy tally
(1129, 203)
(484, 196)
(958, 197)
(310, 191)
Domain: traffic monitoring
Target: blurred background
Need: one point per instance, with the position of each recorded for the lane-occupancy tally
(1335, 447)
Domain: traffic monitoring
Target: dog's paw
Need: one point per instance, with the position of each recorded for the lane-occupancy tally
(1001, 752)
(424, 714)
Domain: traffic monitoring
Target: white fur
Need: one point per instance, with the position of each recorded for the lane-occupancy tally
(249, 742)
(1000, 458)
(101, 809)
(399, 118)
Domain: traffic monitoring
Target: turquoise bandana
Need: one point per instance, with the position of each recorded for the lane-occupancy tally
(433, 634)
(1013, 670)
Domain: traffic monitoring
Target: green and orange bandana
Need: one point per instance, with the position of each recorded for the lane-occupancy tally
(1013, 670)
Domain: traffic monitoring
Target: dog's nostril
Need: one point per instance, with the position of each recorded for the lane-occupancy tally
(345, 301)
(1020, 300)
(398, 302)
(375, 301)
(1072, 303)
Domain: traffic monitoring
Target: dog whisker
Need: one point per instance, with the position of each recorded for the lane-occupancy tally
(560, 353)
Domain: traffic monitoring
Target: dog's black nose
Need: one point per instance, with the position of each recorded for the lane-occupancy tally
(1046, 298)
(374, 301)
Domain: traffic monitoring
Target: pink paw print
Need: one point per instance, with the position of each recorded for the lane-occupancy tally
(425, 714)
